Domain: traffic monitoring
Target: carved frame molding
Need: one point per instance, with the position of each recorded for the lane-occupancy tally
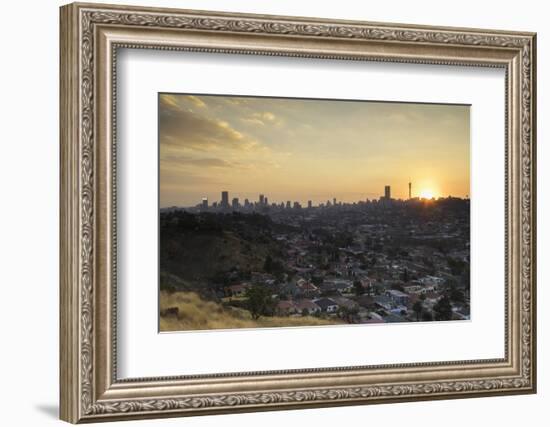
(90, 36)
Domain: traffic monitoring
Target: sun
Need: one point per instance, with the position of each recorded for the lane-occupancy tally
(427, 194)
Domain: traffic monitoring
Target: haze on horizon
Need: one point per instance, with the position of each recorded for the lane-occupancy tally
(306, 149)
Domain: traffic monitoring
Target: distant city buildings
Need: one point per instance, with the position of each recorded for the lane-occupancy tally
(225, 199)
(235, 203)
(263, 204)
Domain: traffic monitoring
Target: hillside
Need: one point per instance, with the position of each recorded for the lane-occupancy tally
(195, 313)
(197, 248)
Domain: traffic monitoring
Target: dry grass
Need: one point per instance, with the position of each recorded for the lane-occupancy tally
(194, 313)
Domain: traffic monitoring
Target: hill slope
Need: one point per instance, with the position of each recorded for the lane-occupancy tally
(195, 313)
(198, 247)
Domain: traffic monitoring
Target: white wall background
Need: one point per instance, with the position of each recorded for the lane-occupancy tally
(29, 171)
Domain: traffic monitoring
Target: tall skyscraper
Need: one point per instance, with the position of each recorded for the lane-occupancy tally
(204, 203)
(261, 200)
(225, 199)
(235, 203)
(309, 204)
(387, 192)
(410, 188)
(334, 201)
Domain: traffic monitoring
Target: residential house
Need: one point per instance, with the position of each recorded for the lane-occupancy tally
(307, 289)
(384, 302)
(398, 297)
(327, 305)
(344, 302)
(286, 308)
(238, 290)
(307, 306)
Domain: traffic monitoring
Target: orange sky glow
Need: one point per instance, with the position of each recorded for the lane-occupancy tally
(300, 150)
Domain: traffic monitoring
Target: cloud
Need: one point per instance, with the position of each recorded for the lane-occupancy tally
(169, 101)
(197, 102)
(205, 162)
(270, 117)
(261, 119)
(188, 130)
(252, 121)
(234, 101)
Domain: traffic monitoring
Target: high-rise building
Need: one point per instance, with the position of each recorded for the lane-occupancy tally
(334, 201)
(387, 192)
(204, 203)
(266, 201)
(225, 199)
(261, 200)
(410, 188)
(235, 203)
(246, 203)
(309, 204)
(288, 204)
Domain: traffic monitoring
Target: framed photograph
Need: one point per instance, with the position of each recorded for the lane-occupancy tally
(265, 212)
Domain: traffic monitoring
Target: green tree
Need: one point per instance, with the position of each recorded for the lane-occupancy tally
(268, 264)
(457, 266)
(417, 308)
(427, 316)
(457, 295)
(317, 280)
(443, 309)
(259, 301)
(358, 288)
(348, 314)
(405, 275)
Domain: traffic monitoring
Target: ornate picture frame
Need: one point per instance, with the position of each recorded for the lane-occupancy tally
(90, 37)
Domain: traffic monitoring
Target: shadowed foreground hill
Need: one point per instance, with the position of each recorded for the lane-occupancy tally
(194, 313)
(197, 247)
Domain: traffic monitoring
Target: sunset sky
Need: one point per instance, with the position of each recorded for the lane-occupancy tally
(300, 150)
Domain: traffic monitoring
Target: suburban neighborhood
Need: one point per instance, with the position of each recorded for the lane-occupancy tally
(373, 261)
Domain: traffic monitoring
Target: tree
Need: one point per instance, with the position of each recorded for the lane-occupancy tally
(317, 280)
(427, 316)
(268, 264)
(417, 308)
(358, 288)
(348, 313)
(443, 309)
(405, 275)
(457, 266)
(456, 295)
(259, 301)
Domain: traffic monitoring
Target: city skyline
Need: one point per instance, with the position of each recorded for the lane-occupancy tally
(301, 150)
(228, 200)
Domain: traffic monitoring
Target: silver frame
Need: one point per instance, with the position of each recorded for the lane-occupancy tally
(90, 37)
